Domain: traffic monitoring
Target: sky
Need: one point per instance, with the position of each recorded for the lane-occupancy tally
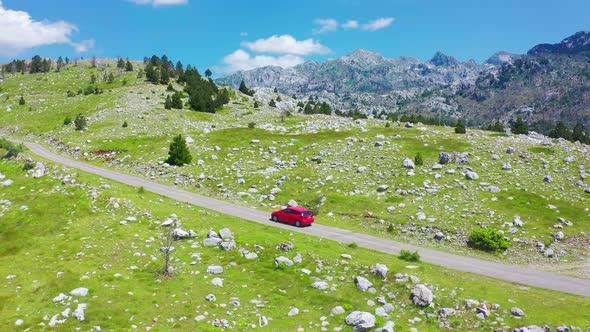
(235, 35)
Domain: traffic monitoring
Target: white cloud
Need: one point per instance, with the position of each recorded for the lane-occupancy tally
(19, 32)
(156, 3)
(83, 46)
(286, 44)
(352, 24)
(242, 60)
(326, 25)
(379, 23)
(243, 34)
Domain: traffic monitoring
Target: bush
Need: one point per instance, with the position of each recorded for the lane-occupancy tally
(252, 125)
(21, 101)
(488, 239)
(178, 154)
(28, 166)
(80, 122)
(387, 124)
(409, 256)
(67, 121)
(460, 128)
(125, 125)
(353, 245)
(12, 150)
(418, 160)
(71, 94)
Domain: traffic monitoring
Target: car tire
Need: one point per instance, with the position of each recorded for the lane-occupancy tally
(275, 218)
(297, 223)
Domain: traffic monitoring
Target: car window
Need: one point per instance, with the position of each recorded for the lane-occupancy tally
(287, 211)
(307, 213)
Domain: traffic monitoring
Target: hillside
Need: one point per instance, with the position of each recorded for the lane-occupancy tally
(548, 84)
(360, 175)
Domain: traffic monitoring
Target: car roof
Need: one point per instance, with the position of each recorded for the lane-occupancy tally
(298, 209)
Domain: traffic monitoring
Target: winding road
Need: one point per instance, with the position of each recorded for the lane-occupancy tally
(500, 271)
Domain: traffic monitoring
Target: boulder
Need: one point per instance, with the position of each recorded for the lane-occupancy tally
(321, 285)
(422, 296)
(283, 260)
(226, 234)
(81, 291)
(39, 170)
(214, 269)
(79, 312)
(179, 234)
(339, 310)
(408, 163)
(217, 282)
(293, 312)
(445, 312)
(227, 245)
(360, 320)
(517, 312)
(439, 236)
(445, 158)
(380, 271)
(471, 175)
(382, 188)
(210, 298)
(211, 241)
(362, 283)
(292, 203)
(559, 236)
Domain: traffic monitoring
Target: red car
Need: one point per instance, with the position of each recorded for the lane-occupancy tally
(297, 216)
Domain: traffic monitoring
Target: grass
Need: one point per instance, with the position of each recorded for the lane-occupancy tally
(351, 198)
(63, 221)
(409, 256)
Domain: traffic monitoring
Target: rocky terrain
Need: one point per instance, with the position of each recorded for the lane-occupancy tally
(356, 174)
(547, 85)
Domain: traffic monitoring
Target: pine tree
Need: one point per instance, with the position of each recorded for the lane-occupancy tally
(121, 64)
(519, 127)
(60, 63)
(272, 103)
(208, 73)
(111, 78)
(177, 100)
(256, 104)
(460, 128)
(164, 76)
(561, 131)
(244, 89)
(80, 122)
(128, 66)
(578, 133)
(168, 103)
(498, 127)
(178, 154)
(125, 125)
(22, 100)
(170, 87)
(418, 159)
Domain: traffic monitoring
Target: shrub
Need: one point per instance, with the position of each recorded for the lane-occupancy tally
(71, 94)
(252, 125)
(125, 125)
(488, 239)
(256, 104)
(460, 128)
(141, 190)
(272, 103)
(409, 256)
(353, 245)
(170, 87)
(390, 229)
(67, 121)
(21, 101)
(387, 124)
(178, 154)
(80, 122)
(12, 150)
(418, 160)
(28, 166)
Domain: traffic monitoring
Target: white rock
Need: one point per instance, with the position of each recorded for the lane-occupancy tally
(293, 312)
(79, 312)
(81, 291)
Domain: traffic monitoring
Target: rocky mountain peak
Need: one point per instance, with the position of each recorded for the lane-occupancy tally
(576, 43)
(441, 59)
(502, 57)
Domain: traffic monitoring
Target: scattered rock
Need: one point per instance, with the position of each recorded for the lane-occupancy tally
(214, 269)
(362, 283)
(226, 234)
(321, 285)
(360, 320)
(445, 312)
(79, 312)
(339, 310)
(283, 260)
(217, 282)
(380, 271)
(292, 203)
(79, 291)
(408, 163)
(517, 312)
(471, 175)
(559, 236)
(293, 312)
(422, 296)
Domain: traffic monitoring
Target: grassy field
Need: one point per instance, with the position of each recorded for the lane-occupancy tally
(58, 234)
(284, 164)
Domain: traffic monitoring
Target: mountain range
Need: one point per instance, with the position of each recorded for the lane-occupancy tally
(551, 82)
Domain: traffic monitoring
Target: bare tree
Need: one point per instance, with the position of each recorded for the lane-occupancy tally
(166, 249)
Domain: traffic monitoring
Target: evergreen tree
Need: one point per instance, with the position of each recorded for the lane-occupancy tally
(80, 122)
(168, 103)
(36, 65)
(561, 131)
(519, 127)
(279, 99)
(121, 64)
(460, 128)
(177, 100)
(60, 63)
(325, 109)
(152, 74)
(208, 73)
(256, 104)
(418, 159)
(21, 101)
(170, 87)
(128, 66)
(275, 90)
(178, 154)
(164, 76)
(578, 133)
(222, 97)
(179, 72)
(111, 78)
(498, 127)
(92, 78)
(244, 89)
(125, 125)
(155, 61)
(272, 103)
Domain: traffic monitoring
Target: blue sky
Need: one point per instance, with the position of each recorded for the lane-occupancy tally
(231, 35)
